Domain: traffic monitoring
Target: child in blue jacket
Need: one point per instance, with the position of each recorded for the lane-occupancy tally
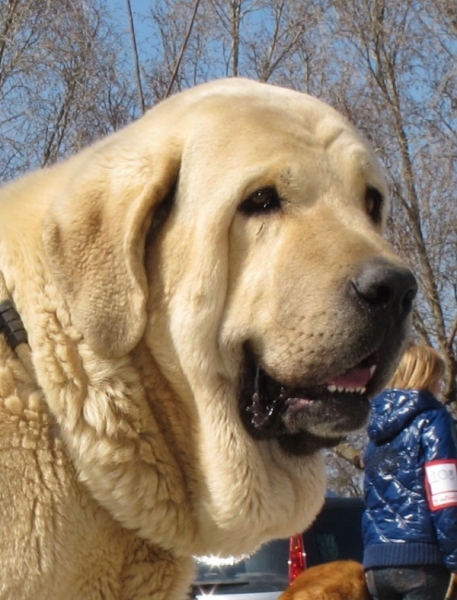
(410, 521)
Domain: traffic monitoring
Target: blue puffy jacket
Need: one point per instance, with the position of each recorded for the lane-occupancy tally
(410, 482)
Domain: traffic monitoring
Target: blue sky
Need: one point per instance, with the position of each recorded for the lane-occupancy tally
(139, 7)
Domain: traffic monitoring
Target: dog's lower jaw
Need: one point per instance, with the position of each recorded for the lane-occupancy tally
(305, 438)
(306, 443)
(322, 424)
(302, 420)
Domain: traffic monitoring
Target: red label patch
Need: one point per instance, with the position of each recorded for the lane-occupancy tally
(441, 483)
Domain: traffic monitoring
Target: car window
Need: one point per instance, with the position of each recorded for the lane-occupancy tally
(336, 534)
(264, 571)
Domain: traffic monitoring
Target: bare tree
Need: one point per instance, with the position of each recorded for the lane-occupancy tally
(58, 81)
(389, 65)
(401, 95)
(268, 40)
(396, 79)
(345, 466)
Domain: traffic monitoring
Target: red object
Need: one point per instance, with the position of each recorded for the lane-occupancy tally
(297, 556)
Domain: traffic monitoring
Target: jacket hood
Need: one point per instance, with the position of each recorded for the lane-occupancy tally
(392, 410)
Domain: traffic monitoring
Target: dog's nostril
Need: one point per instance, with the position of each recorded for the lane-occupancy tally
(408, 299)
(376, 294)
(384, 286)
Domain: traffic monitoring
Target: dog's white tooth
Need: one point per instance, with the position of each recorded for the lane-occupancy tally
(350, 390)
(340, 389)
(372, 370)
(331, 388)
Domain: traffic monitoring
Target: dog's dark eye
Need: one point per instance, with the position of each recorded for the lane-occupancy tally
(373, 203)
(262, 201)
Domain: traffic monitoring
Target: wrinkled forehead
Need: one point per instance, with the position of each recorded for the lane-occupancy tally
(248, 130)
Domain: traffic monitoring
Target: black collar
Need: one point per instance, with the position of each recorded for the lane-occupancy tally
(11, 325)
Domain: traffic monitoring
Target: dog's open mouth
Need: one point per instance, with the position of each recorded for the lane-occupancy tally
(305, 419)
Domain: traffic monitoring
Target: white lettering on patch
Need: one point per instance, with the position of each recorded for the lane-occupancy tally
(441, 483)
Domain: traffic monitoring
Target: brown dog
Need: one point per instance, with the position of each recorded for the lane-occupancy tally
(338, 580)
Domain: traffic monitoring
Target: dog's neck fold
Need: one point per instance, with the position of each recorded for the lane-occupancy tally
(116, 442)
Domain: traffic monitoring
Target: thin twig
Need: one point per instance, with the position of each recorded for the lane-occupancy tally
(452, 334)
(136, 59)
(183, 48)
(350, 454)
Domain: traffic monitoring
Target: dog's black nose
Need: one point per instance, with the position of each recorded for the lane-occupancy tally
(385, 287)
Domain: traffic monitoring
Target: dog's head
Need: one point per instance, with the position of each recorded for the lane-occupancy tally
(236, 228)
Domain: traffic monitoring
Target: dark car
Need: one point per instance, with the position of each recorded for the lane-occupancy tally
(336, 534)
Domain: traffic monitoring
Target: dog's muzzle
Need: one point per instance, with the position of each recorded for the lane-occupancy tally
(304, 418)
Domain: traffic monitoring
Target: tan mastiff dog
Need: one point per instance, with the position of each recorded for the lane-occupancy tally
(208, 302)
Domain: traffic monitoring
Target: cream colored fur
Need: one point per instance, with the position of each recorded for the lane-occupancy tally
(128, 455)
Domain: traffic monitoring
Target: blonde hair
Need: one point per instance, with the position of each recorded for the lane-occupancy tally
(419, 369)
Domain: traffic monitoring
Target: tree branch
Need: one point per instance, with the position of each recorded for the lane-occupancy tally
(183, 48)
(136, 58)
(353, 456)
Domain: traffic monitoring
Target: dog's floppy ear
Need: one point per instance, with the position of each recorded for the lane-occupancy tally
(94, 238)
